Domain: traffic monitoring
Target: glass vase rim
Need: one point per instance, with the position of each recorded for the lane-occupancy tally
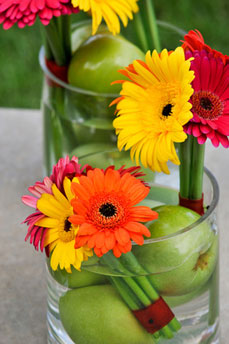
(203, 218)
(67, 86)
(88, 92)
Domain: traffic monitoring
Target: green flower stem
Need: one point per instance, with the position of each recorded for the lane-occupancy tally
(153, 24)
(117, 265)
(175, 325)
(130, 299)
(145, 300)
(53, 37)
(140, 285)
(197, 170)
(140, 31)
(48, 50)
(185, 155)
(66, 31)
(127, 295)
(130, 260)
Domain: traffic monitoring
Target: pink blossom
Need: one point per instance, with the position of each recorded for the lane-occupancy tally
(24, 12)
(64, 168)
(210, 100)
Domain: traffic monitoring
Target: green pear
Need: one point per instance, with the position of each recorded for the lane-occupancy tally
(96, 62)
(176, 301)
(76, 279)
(97, 315)
(181, 264)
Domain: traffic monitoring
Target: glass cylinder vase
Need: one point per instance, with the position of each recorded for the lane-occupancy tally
(79, 121)
(182, 267)
(74, 120)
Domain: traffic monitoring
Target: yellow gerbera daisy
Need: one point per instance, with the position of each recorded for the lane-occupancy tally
(61, 234)
(109, 10)
(153, 108)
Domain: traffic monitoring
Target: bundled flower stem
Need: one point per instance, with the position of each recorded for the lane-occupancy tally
(210, 116)
(191, 155)
(146, 27)
(137, 290)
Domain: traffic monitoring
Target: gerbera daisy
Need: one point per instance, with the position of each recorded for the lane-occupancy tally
(36, 233)
(24, 12)
(153, 108)
(195, 41)
(105, 208)
(210, 100)
(109, 10)
(64, 168)
(60, 236)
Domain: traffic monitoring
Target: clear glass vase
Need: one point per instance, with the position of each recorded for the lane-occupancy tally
(74, 120)
(87, 307)
(77, 121)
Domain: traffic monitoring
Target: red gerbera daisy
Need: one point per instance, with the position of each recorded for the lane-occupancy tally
(106, 210)
(24, 12)
(195, 41)
(210, 100)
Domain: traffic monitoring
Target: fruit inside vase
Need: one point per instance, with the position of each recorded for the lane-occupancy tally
(181, 261)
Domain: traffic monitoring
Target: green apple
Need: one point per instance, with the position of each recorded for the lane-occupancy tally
(76, 279)
(181, 264)
(82, 32)
(96, 63)
(97, 315)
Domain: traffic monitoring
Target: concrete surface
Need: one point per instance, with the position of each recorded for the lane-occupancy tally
(22, 271)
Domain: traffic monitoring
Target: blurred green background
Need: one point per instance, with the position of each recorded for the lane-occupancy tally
(21, 77)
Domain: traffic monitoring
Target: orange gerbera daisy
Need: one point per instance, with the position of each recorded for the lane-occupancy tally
(105, 208)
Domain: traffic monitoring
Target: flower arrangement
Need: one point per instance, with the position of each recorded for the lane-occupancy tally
(95, 224)
(91, 217)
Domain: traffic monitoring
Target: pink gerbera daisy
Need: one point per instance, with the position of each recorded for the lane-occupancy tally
(64, 168)
(210, 100)
(24, 12)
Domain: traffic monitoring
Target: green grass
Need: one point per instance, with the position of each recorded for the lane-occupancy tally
(21, 78)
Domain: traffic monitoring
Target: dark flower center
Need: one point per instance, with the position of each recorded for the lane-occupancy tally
(107, 210)
(167, 110)
(206, 103)
(67, 226)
